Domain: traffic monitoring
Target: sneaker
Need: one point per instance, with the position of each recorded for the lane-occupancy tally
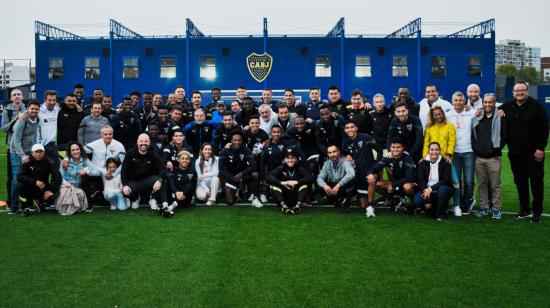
(113, 207)
(263, 198)
(457, 211)
(284, 209)
(135, 204)
(251, 198)
(89, 209)
(439, 219)
(256, 203)
(11, 212)
(296, 209)
(162, 208)
(370, 212)
(153, 204)
(481, 213)
(26, 212)
(535, 219)
(210, 202)
(523, 214)
(497, 215)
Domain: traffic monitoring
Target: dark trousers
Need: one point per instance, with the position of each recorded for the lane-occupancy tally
(52, 153)
(289, 197)
(91, 185)
(342, 198)
(440, 198)
(527, 171)
(28, 193)
(9, 179)
(144, 188)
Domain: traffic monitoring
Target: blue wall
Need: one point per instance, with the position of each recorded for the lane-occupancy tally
(291, 68)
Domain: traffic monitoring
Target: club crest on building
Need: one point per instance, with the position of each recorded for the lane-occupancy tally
(259, 65)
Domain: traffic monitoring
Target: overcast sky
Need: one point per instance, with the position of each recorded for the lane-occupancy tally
(526, 20)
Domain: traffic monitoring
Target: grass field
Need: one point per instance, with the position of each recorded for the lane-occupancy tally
(242, 256)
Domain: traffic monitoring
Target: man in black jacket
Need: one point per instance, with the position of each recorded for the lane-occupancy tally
(33, 180)
(408, 128)
(527, 135)
(403, 95)
(238, 167)
(126, 125)
(289, 183)
(381, 119)
(142, 172)
(68, 120)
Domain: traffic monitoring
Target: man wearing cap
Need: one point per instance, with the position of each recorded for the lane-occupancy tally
(33, 180)
(289, 183)
(237, 168)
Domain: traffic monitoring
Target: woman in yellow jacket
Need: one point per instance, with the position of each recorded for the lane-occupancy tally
(443, 132)
(440, 131)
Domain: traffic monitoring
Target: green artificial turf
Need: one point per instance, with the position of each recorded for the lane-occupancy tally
(242, 256)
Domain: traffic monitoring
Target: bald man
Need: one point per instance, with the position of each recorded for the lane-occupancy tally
(474, 99)
(142, 174)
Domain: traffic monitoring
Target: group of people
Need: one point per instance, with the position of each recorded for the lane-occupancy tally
(76, 153)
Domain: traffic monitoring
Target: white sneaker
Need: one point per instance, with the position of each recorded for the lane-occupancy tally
(128, 204)
(251, 198)
(135, 204)
(256, 203)
(263, 198)
(210, 202)
(172, 206)
(113, 207)
(370, 212)
(153, 204)
(457, 211)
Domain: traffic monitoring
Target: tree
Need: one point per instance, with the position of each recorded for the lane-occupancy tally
(507, 70)
(530, 74)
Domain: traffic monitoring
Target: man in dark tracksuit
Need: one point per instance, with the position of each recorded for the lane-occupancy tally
(181, 184)
(142, 173)
(126, 125)
(408, 128)
(289, 183)
(68, 120)
(198, 131)
(527, 135)
(237, 166)
(357, 148)
(381, 120)
(33, 180)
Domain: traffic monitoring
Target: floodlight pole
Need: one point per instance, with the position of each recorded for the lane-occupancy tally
(265, 45)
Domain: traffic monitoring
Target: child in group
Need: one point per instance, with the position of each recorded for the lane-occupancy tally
(112, 190)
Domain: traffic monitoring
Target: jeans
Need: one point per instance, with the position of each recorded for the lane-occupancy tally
(116, 198)
(463, 174)
(15, 163)
(439, 198)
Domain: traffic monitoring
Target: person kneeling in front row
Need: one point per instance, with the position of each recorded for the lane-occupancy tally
(434, 183)
(289, 183)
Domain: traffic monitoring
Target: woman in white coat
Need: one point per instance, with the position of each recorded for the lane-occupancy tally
(208, 182)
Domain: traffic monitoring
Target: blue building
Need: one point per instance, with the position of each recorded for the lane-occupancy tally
(125, 61)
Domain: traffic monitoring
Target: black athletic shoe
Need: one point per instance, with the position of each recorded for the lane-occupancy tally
(26, 212)
(535, 219)
(523, 214)
(296, 209)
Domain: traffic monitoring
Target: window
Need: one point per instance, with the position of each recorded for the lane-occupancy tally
(131, 68)
(474, 66)
(208, 67)
(362, 66)
(439, 68)
(56, 68)
(92, 68)
(322, 66)
(400, 68)
(168, 67)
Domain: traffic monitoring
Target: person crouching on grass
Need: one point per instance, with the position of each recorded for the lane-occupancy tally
(289, 183)
(400, 168)
(434, 183)
(33, 180)
(181, 184)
